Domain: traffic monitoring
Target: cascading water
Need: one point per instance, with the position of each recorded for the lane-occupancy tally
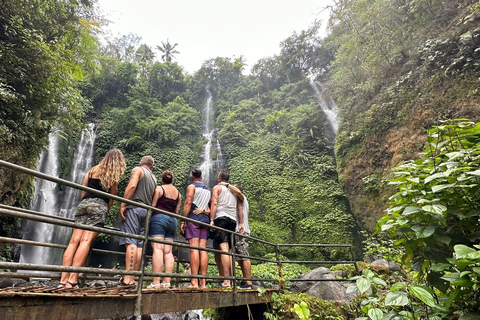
(46, 199)
(328, 106)
(209, 166)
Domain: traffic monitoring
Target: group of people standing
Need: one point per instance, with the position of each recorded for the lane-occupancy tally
(224, 207)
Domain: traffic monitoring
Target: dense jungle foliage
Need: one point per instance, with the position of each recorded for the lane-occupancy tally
(396, 69)
(273, 133)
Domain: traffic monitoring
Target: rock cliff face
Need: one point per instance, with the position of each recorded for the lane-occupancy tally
(432, 76)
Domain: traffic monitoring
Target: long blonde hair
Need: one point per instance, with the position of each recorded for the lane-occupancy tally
(110, 169)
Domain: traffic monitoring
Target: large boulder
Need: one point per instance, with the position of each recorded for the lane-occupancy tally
(325, 290)
(10, 282)
(382, 265)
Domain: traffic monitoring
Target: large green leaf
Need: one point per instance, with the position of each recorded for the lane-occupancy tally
(440, 187)
(423, 232)
(457, 279)
(363, 285)
(436, 208)
(409, 210)
(352, 288)
(398, 286)
(434, 176)
(375, 314)
(422, 294)
(440, 267)
(474, 173)
(396, 298)
(463, 251)
(379, 281)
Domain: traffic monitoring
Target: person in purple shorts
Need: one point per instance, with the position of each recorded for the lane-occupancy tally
(198, 197)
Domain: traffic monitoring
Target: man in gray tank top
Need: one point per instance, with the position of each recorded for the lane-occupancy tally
(140, 188)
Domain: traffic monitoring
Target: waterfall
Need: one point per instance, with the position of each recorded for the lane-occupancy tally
(209, 166)
(328, 106)
(46, 199)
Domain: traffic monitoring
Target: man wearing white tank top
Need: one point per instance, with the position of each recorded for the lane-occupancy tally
(226, 212)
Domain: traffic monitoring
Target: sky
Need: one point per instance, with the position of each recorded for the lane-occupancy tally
(206, 29)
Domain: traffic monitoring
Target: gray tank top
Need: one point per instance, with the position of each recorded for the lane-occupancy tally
(227, 204)
(145, 188)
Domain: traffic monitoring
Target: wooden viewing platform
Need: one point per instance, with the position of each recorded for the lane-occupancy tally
(100, 302)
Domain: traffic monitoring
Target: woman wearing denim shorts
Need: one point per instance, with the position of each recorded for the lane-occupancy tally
(162, 227)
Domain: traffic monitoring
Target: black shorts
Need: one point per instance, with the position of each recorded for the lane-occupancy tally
(219, 236)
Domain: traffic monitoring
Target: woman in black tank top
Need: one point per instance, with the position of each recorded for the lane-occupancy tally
(162, 226)
(92, 210)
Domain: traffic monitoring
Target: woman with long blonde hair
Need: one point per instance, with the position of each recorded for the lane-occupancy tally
(93, 211)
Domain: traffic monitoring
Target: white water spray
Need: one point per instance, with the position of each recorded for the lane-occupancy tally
(46, 199)
(210, 167)
(328, 106)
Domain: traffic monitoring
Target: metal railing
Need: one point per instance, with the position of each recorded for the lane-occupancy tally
(143, 274)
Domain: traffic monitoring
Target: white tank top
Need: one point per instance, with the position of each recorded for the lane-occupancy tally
(201, 196)
(227, 204)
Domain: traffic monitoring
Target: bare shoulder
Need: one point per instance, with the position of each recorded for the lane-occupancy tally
(137, 171)
(217, 189)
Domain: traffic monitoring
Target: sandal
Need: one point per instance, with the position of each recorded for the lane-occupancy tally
(165, 285)
(73, 285)
(61, 286)
(154, 285)
(123, 284)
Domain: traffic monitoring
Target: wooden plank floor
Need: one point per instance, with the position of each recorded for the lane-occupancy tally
(97, 303)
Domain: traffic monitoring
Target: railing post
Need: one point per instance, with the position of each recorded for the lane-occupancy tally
(279, 267)
(178, 267)
(234, 274)
(354, 260)
(138, 301)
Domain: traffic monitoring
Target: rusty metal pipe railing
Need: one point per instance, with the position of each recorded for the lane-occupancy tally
(110, 196)
(317, 262)
(319, 245)
(143, 274)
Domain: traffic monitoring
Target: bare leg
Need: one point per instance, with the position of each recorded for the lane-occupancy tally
(194, 261)
(157, 258)
(169, 260)
(246, 270)
(226, 262)
(130, 261)
(70, 253)
(203, 263)
(81, 253)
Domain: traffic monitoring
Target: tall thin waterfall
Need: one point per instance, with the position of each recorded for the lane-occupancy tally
(328, 106)
(46, 199)
(209, 166)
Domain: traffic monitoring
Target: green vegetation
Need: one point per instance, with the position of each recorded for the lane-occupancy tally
(398, 68)
(287, 305)
(433, 224)
(275, 142)
(46, 48)
(395, 69)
